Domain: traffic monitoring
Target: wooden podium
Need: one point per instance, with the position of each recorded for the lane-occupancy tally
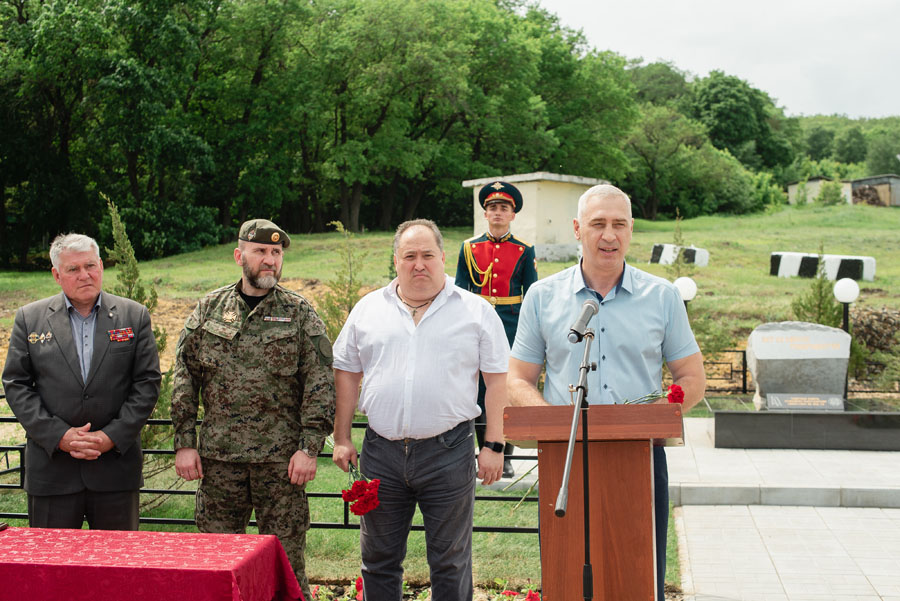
(621, 496)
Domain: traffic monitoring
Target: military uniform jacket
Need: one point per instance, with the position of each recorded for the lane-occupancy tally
(505, 270)
(264, 376)
(43, 385)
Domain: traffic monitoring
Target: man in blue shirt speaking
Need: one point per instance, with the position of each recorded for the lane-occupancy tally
(641, 323)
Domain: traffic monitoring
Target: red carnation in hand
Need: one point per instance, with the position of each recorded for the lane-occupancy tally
(368, 500)
(676, 394)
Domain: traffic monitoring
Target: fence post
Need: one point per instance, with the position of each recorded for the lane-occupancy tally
(744, 371)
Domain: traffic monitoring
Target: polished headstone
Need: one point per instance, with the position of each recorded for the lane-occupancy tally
(794, 357)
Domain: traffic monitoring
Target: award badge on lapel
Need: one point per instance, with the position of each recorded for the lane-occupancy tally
(121, 335)
(33, 337)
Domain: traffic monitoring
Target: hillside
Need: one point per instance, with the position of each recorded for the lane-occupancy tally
(735, 291)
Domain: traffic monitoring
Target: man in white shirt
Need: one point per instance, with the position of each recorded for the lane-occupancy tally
(418, 345)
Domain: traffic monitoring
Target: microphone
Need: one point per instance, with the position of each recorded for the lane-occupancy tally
(588, 310)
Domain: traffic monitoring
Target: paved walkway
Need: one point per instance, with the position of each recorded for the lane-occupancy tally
(785, 525)
(782, 525)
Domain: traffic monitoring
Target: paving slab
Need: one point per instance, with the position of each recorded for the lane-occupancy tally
(700, 474)
(738, 553)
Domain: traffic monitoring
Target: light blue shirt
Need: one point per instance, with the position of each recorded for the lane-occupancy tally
(641, 322)
(83, 334)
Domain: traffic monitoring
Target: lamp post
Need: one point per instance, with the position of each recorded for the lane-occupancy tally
(688, 289)
(846, 290)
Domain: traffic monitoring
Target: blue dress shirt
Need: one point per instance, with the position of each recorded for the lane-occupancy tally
(641, 322)
(83, 334)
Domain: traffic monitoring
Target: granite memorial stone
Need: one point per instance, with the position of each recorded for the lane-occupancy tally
(792, 358)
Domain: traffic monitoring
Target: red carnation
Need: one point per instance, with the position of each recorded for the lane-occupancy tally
(356, 491)
(368, 500)
(532, 596)
(676, 394)
(359, 589)
(363, 493)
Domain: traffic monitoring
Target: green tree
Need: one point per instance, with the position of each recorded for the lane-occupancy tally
(743, 120)
(675, 168)
(818, 305)
(657, 144)
(129, 285)
(679, 267)
(659, 82)
(343, 289)
(51, 57)
(588, 100)
(850, 146)
(882, 158)
(819, 142)
(129, 275)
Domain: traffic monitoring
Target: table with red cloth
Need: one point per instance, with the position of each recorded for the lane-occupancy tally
(104, 565)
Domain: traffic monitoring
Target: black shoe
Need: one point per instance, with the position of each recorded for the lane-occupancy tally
(508, 471)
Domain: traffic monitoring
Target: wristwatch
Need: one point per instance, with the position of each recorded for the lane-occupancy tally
(496, 447)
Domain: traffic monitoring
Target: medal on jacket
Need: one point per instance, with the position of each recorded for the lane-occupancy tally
(229, 316)
(121, 335)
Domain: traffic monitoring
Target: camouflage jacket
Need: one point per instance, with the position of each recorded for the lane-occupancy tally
(264, 376)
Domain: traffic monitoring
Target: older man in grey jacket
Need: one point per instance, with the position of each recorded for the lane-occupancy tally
(82, 376)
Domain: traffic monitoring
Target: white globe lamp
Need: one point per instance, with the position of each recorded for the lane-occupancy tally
(688, 288)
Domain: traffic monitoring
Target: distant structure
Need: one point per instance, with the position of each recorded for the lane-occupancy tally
(545, 221)
(877, 190)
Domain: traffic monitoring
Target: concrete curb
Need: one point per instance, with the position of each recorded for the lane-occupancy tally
(689, 493)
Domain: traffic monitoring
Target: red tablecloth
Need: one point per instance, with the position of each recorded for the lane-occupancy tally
(45, 564)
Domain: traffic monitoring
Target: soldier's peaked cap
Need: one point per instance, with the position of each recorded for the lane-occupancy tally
(263, 231)
(500, 192)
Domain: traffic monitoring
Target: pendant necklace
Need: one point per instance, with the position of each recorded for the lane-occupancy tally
(415, 308)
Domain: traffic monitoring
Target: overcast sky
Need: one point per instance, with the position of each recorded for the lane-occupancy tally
(812, 57)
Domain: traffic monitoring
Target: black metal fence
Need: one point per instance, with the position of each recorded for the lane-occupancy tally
(726, 372)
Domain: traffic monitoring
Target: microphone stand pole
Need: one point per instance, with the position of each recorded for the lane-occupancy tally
(581, 408)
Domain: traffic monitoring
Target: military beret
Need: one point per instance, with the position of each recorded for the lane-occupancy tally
(263, 231)
(500, 192)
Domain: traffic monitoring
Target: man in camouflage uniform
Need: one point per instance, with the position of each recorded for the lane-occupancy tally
(258, 355)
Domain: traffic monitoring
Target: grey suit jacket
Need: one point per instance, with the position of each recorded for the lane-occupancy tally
(44, 388)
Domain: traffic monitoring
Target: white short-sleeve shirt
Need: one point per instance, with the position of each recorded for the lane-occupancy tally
(421, 380)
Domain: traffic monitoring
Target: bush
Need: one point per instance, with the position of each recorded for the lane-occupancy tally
(830, 194)
(818, 304)
(766, 192)
(343, 290)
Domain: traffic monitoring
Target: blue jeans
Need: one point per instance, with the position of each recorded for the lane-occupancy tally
(439, 474)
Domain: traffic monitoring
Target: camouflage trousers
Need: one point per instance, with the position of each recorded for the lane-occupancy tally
(229, 491)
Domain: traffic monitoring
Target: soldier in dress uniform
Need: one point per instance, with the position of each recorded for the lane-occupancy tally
(258, 356)
(499, 267)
